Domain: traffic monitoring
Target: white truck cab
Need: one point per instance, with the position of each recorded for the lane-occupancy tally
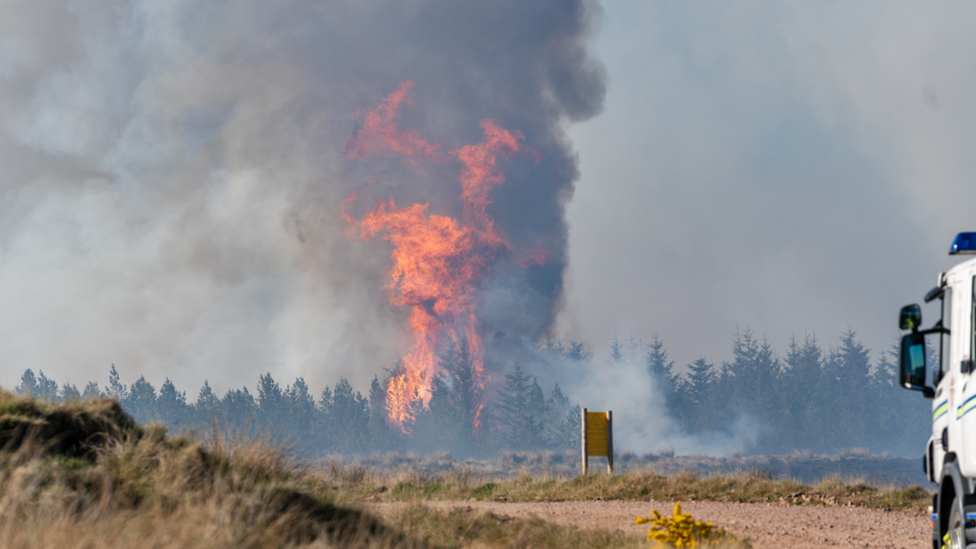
(950, 456)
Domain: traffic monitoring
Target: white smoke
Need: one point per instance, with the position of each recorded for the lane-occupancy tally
(172, 173)
(642, 421)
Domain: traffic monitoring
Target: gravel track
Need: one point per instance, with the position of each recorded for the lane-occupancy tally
(765, 525)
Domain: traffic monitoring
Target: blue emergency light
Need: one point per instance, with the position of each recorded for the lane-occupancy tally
(965, 243)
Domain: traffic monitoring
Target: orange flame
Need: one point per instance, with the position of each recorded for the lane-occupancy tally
(380, 131)
(437, 260)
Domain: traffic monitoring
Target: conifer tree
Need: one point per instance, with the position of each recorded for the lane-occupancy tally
(171, 405)
(348, 414)
(616, 349)
(537, 405)
(115, 387)
(301, 410)
(91, 391)
(47, 389)
(380, 433)
(577, 351)
(806, 394)
(141, 402)
(697, 390)
(513, 410)
(851, 365)
(271, 407)
(206, 409)
(28, 384)
(69, 393)
(666, 381)
(558, 433)
(466, 396)
(238, 408)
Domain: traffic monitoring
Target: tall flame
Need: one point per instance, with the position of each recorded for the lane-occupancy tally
(437, 260)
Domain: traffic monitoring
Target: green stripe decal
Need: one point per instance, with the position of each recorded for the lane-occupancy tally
(966, 406)
(940, 411)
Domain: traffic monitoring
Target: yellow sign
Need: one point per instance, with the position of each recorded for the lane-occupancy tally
(596, 434)
(597, 437)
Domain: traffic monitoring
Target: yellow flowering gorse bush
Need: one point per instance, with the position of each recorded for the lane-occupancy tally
(680, 530)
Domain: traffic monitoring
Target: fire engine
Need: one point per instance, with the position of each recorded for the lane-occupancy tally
(950, 456)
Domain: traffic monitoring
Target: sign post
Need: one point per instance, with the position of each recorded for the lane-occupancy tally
(597, 438)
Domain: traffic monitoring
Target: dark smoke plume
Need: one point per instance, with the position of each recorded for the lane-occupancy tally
(173, 173)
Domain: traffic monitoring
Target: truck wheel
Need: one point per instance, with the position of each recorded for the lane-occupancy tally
(955, 538)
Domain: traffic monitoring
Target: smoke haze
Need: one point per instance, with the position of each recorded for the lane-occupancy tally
(796, 168)
(173, 173)
(173, 176)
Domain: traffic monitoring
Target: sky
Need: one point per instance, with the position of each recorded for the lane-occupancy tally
(793, 168)
(172, 174)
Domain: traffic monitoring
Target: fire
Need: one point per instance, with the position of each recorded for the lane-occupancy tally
(437, 260)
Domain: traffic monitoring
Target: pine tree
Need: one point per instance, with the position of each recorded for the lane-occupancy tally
(558, 433)
(206, 410)
(348, 413)
(69, 393)
(802, 426)
(325, 427)
(436, 426)
(698, 388)
(28, 384)
(271, 410)
(380, 434)
(47, 389)
(171, 405)
(92, 391)
(851, 364)
(238, 408)
(466, 399)
(658, 365)
(753, 374)
(141, 402)
(577, 351)
(301, 409)
(537, 404)
(115, 387)
(662, 375)
(616, 349)
(513, 410)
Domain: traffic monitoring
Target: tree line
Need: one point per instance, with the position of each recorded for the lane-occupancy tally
(810, 398)
(343, 420)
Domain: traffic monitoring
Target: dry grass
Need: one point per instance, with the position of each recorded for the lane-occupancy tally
(82, 475)
(749, 486)
(803, 466)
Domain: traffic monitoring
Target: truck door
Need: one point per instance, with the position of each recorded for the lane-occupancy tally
(962, 358)
(943, 405)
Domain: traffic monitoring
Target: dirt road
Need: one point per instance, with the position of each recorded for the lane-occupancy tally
(766, 525)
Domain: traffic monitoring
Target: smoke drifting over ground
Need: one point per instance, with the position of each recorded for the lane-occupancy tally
(173, 174)
(642, 420)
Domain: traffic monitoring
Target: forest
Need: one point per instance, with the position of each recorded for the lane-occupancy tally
(810, 398)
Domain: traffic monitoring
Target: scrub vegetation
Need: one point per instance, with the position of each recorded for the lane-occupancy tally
(83, 474)
(757, 486)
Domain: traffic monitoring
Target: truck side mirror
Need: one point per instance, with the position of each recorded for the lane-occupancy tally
(912, 362)
(910, 317)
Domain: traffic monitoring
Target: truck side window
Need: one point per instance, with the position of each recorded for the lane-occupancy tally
(946, 323)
